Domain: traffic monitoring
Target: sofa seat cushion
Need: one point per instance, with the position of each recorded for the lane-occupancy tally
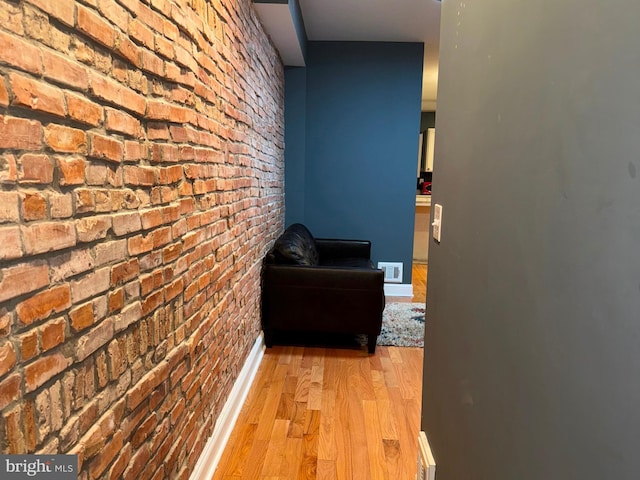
(348, 263)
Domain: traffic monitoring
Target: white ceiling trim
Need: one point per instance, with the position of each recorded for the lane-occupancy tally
(278, 22)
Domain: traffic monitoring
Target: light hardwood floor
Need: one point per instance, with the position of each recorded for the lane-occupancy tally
(322, 413)
(419, 282)
(316, 413)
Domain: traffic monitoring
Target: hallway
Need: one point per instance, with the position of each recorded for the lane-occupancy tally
(316, 413)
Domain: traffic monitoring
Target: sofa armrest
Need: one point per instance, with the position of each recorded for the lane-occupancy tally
(338, 248)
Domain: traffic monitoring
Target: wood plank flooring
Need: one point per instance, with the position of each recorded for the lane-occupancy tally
(319, 413)
(419, 282)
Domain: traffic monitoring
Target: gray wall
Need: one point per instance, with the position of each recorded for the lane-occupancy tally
(532, 356)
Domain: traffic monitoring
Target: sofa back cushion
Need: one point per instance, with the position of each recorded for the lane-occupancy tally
(296, 246)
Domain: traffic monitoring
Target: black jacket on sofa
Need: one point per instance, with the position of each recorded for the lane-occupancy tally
(321, 285)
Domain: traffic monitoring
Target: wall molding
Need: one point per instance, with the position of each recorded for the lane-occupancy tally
(208, 461)
(398, 290)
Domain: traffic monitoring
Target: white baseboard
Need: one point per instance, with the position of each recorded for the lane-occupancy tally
(208, 461)
(398, 290)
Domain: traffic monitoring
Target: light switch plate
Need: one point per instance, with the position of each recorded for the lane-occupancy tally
(437, 222)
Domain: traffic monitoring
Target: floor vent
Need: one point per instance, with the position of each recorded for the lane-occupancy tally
(392, 271)
(426, 462)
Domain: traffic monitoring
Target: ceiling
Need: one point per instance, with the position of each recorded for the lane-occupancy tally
(362, 20)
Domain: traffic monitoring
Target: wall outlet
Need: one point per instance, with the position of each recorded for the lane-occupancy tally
(392, 271)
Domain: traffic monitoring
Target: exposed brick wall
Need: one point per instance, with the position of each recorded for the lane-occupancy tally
(141, 183)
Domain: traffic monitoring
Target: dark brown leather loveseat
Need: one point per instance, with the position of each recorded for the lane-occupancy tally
(321, 286)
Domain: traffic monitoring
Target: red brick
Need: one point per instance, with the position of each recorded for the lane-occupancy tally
(44, 369)
(158, 110)
(164, 47)
(19, 133)
(14, 431)
(82, 317)
(144, 430)
(171, 253)
(140, 244)
(10, 243)
(34, 206)
(161, 236)
(11, 17)
(61, 206)
(127, 49)
(62, 10)
(152, 63)
(71, 170)
(4, 94)
(116, 470)
(104, 202)
(7, 357)
(83, 110)
(116, 300)
(141, 33)
(114, 13)
(152, 302)
(47, 237)
(106, 148)
(10, 389)
(93, 228)
(171, 174)
(35, 168)
(122, 122)
(62, 70)
(117, 94)
(146, 385)
(52, 334)
(29, 345)
(85, 200)
(135, 175)
(9, 207)
(41, 305)
(65, 139)
(165, 153)
(129, 315)
(90, 285)
(90, 23)
(123, 272)
(185, 58)
(36, 95)
(124, 223)
(69, 264)
(173, 290)
(134, 150)
(23, 278)
(8, 168)
(151, 218)
(106, 456)
(94, 339)
(157, 131)
(20, 54)
(6, 320)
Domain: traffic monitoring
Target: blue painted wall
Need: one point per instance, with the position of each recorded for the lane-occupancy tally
(361, 127)
(295, 104)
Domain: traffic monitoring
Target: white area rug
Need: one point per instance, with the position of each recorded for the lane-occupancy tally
(403, 325)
